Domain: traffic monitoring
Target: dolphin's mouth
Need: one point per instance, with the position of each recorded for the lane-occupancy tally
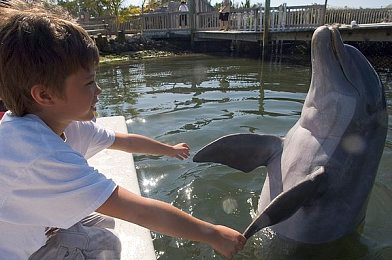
(337, 47)
(336, 44)
(327, 50)
(341, 55)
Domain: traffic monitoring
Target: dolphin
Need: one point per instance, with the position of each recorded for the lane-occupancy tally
(321, 173)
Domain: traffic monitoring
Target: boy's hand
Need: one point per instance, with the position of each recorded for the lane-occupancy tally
(228, 241)
(180, 151)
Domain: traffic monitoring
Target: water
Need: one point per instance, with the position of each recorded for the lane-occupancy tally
(196, 99)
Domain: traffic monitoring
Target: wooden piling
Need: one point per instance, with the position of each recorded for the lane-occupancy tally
(265, 51)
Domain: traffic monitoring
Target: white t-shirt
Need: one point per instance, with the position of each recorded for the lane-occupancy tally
(46, 182)
(183, 8)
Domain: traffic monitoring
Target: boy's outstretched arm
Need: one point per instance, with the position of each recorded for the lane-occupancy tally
(164, 218)
(134, 143)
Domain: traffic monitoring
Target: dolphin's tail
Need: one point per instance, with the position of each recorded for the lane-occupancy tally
(286, 203)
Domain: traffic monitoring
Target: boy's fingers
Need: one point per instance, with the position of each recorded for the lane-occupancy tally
(240, 245)
(182, 155)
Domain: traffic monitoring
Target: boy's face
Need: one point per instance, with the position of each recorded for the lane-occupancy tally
(80, 96)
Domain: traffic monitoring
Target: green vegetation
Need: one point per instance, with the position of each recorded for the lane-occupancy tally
(136, 56)
(97, 8)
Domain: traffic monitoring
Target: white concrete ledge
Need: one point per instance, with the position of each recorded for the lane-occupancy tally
(136, 241)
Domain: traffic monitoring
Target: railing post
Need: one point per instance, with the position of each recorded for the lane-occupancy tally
(323, 13)
(142, 22)
(245, 20)
(192, 15)
(266, 29)
(280, 18)
(272, 20)
(261, 19)
(284, 15)
(255, 20)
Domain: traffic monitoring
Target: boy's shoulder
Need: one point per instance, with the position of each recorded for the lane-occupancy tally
(27, 125)
(27, 137)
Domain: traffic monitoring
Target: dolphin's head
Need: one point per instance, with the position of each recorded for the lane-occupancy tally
(343, 69)
(344, 86)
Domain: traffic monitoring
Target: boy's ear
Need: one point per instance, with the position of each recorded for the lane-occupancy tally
(41, 95)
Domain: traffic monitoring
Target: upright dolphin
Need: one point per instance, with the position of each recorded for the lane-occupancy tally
(338, 140)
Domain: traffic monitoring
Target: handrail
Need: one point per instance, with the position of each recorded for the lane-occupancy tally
(251, 19)
(282, 18)
(361, 16)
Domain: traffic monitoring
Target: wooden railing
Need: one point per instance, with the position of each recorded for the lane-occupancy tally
(361, 16)
(132, 25)
(165, 21)
(108, 25)
(300, 16)
(251, 19)
(289, 17)
(207, 20)
(282, 18)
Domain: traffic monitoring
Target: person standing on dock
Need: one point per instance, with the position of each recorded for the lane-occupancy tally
(48, 191)
(183, 17)
(224, 12)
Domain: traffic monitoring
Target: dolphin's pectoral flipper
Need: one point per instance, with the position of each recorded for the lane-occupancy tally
(243, 152)
(287, 203)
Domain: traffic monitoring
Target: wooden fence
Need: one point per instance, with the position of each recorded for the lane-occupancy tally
(293, 17)
(252, 19)
(361, 16)
(109, 25)
(166, 21)
(282, 18)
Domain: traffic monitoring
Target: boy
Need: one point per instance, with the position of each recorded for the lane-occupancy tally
(47, 82)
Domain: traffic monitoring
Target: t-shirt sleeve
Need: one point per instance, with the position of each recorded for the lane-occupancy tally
(88, 138)
(100, 139)
(56, 190)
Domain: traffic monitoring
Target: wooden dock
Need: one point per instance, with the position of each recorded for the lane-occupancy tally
(284, 23)
(360, 32)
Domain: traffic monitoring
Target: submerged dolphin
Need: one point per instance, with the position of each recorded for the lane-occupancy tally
(321, 174)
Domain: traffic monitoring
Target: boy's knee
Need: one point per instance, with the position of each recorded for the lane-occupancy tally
(80, 242)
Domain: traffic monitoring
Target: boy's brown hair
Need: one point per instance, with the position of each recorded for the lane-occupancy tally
(38, 47)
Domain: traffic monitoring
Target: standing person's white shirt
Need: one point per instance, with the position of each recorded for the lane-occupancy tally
(183, 7)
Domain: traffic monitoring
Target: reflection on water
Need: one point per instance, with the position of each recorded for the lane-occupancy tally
(197, 99)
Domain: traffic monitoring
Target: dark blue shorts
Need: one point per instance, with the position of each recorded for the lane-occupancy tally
(224, 16)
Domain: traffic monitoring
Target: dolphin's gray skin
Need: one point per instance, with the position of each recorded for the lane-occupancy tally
(342, 130)
(286, 203)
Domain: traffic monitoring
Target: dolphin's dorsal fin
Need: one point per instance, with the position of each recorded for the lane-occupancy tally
(287, 202)
(243, 152)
